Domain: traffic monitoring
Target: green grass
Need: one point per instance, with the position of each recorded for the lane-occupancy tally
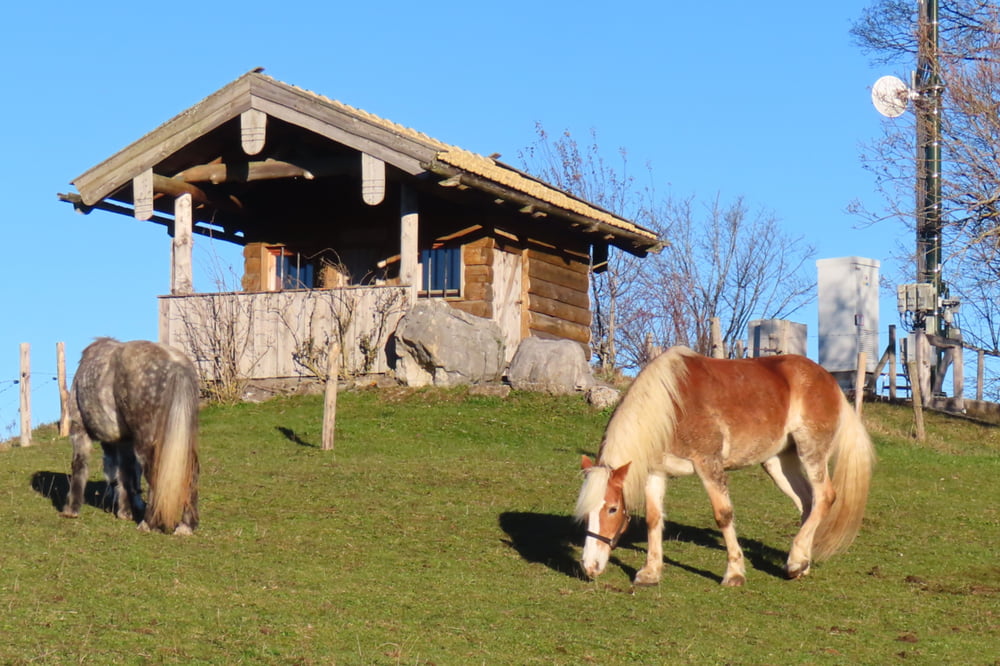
(438, 531)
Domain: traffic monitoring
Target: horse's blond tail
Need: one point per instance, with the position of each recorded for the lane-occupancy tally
(176, 462)
(854, 459)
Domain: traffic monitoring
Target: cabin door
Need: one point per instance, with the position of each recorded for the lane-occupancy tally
(507, 299)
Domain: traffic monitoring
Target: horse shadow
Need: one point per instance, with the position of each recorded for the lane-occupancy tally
(55, 486)
(553, 540)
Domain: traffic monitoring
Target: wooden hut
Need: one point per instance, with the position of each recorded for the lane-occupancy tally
(346, 219)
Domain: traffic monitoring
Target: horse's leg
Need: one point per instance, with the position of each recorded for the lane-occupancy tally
(786, 472)
(812, 473)
(713, 477)
(656, 485)
(79, 469)
(130, 503)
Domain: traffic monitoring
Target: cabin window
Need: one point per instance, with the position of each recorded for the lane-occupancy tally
(289, 270)
(441, 270)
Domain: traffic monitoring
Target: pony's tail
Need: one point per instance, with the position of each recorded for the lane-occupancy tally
(854, 459)
(173, 493)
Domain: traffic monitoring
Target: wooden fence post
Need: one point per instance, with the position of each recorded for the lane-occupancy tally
(918, 407)
(330, 400)
(892, 361)
(980, 362)
(715, 339)
(63, 393)
(859, 383)
(25, 394)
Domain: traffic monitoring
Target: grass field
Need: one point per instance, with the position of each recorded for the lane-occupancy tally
(438, 532)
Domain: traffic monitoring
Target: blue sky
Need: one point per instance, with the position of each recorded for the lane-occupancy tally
(770, 101)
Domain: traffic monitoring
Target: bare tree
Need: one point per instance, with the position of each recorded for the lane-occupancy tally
(723, 261)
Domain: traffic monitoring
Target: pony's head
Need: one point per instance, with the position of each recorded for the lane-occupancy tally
(602, 506)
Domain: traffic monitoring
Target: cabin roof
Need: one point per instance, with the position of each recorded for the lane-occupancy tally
(200, 136)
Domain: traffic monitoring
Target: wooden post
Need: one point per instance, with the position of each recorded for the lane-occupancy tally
(715, 339)
(25, 394)
(859, 383)
(922, 353)
(409, 264)
(957, 377)
(63, 393)
(182, 246)
(980, 362)
(918, 408)
(892, 361)
(330, 399)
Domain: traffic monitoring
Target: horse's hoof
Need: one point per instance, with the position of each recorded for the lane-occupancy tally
(69, 514)
(795, 573)
(183, 530)
(143, 527)
(734, 581)
(643, 579)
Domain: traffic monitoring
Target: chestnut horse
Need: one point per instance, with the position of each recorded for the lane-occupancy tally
(139, 399)
(687, 414)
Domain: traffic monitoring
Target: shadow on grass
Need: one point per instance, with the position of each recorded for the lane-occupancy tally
(550, 539)
(55, 486)
(544, 538)
(292, 436)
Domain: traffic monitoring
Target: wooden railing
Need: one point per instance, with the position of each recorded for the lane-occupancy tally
(281, 334)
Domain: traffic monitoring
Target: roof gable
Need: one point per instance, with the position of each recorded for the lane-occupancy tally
(408, 150)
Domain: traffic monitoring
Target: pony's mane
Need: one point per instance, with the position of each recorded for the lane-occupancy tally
(595, 484)
(642, 426)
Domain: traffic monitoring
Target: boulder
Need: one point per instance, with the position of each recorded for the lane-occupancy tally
(550, 366)
(600, 396)
(437, 344)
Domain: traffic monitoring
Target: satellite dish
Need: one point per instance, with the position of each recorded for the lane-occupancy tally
(890, 96)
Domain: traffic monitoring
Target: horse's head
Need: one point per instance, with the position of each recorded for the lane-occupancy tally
(602, 505)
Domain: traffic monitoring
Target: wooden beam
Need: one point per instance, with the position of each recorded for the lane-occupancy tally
(142, 195)
(181, 247)
(409, 266)
(243, 172)
(632, 242)
(372, 179)
(253, 131)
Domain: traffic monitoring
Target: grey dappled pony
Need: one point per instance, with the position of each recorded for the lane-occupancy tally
(139, 399)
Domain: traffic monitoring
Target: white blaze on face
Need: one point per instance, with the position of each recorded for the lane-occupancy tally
(595, 553)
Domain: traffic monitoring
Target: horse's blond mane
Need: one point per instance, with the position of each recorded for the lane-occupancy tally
(643, 424)
(592, 493)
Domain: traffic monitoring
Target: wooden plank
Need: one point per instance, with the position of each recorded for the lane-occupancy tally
(563, 277)
(182, 246)
(559, 310)
(560, 257)
(558, 328)
(372, 179)
(559, 293)
(253, 131)
(475, 308)
(142, 195)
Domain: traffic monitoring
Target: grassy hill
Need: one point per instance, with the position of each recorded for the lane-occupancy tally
(438, 532)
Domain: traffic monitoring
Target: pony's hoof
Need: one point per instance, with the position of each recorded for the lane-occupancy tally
(143, 527)
(66, 513)
(734, 581)
(645, 579)
(797, 572)
(183, 530)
